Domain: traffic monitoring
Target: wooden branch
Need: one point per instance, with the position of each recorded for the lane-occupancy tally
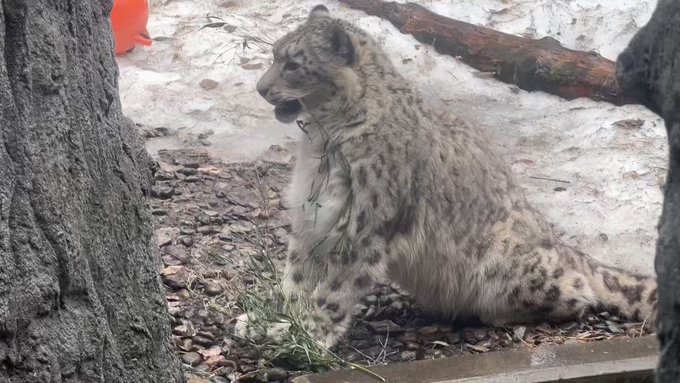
(530, 64)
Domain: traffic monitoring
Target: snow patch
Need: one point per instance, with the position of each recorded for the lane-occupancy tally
(599, 182)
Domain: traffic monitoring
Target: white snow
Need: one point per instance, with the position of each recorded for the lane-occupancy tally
(613, 196)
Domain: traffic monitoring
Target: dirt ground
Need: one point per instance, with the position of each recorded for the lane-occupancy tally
(210, 217)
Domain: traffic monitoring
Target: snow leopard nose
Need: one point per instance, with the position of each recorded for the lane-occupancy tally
(262, 90)
(268, 79)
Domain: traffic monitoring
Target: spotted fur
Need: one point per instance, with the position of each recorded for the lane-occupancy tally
(384, 189)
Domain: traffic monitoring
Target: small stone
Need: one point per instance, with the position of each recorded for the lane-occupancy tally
(396, 307)
(384, 327)
(186, 241)
(453, 338)
(208, 84)
(385, 300)
(409, 336)
(236, 229)
(428, 331)
(613, 328)
(205, 134)
(169, 260)
(164, 236)
(518, 333)
(189, 163)
(232, 365)
(569, 326)
(491, 333)
(273, 374)
(177, 279)
(408, 356)
(210, 273)
(480, 333)
(184, 294)
(546, 329)
(163, 175)
(184, 329)
(206, 334)
(248, 353)
(469, 336)
(203, 219)
(212, 288)
(413, 346)
(203, 341)
(359, 308)
(477, 347)
(162, 192)
(187, 171)
(281, 236)
(161, 131)
(629, 124)
(174, 309)
(180, 253)
(207, 230)
(185, 344)
(192, 358)
(371, 299)
(193, 178)
(505, 343)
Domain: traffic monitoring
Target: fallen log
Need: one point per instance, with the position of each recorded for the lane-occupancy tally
(543, 64)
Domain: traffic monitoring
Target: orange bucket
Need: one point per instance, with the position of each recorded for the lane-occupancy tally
(128, 21)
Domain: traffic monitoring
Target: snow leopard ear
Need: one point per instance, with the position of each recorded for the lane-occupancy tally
(340, 43)
(319, 11)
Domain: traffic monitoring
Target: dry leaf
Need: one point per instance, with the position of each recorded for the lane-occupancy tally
(215, 360)
(252, 66)
(211, 352)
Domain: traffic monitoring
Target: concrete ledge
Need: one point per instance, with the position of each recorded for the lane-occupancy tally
(620, 361)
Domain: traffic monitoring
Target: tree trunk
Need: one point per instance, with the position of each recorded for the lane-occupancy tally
(543, 65)
(650, 67)
(80, 297)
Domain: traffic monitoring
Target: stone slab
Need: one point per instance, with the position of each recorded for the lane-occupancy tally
(621, 360)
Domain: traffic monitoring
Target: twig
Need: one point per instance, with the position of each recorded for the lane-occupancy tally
(550, 179)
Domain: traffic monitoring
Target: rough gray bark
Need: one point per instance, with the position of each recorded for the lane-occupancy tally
(651, 68)
(80, 298)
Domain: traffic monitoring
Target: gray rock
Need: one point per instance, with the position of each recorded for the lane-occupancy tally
(212, 288)
(208, 84)
(162, 192)
(192, 358)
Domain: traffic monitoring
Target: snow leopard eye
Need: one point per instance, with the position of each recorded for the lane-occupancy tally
(291, 66)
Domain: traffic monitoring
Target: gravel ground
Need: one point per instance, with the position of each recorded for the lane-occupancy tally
(210, 218)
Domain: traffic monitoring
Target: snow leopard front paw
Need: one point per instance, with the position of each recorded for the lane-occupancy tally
(275, 332)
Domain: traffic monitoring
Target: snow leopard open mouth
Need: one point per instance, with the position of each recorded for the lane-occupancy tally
(287, 111)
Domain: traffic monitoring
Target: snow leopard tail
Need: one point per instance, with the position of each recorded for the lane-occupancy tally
(563, 283)
(592, 286)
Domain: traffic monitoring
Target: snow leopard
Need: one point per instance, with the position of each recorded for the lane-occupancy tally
(383, 188)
